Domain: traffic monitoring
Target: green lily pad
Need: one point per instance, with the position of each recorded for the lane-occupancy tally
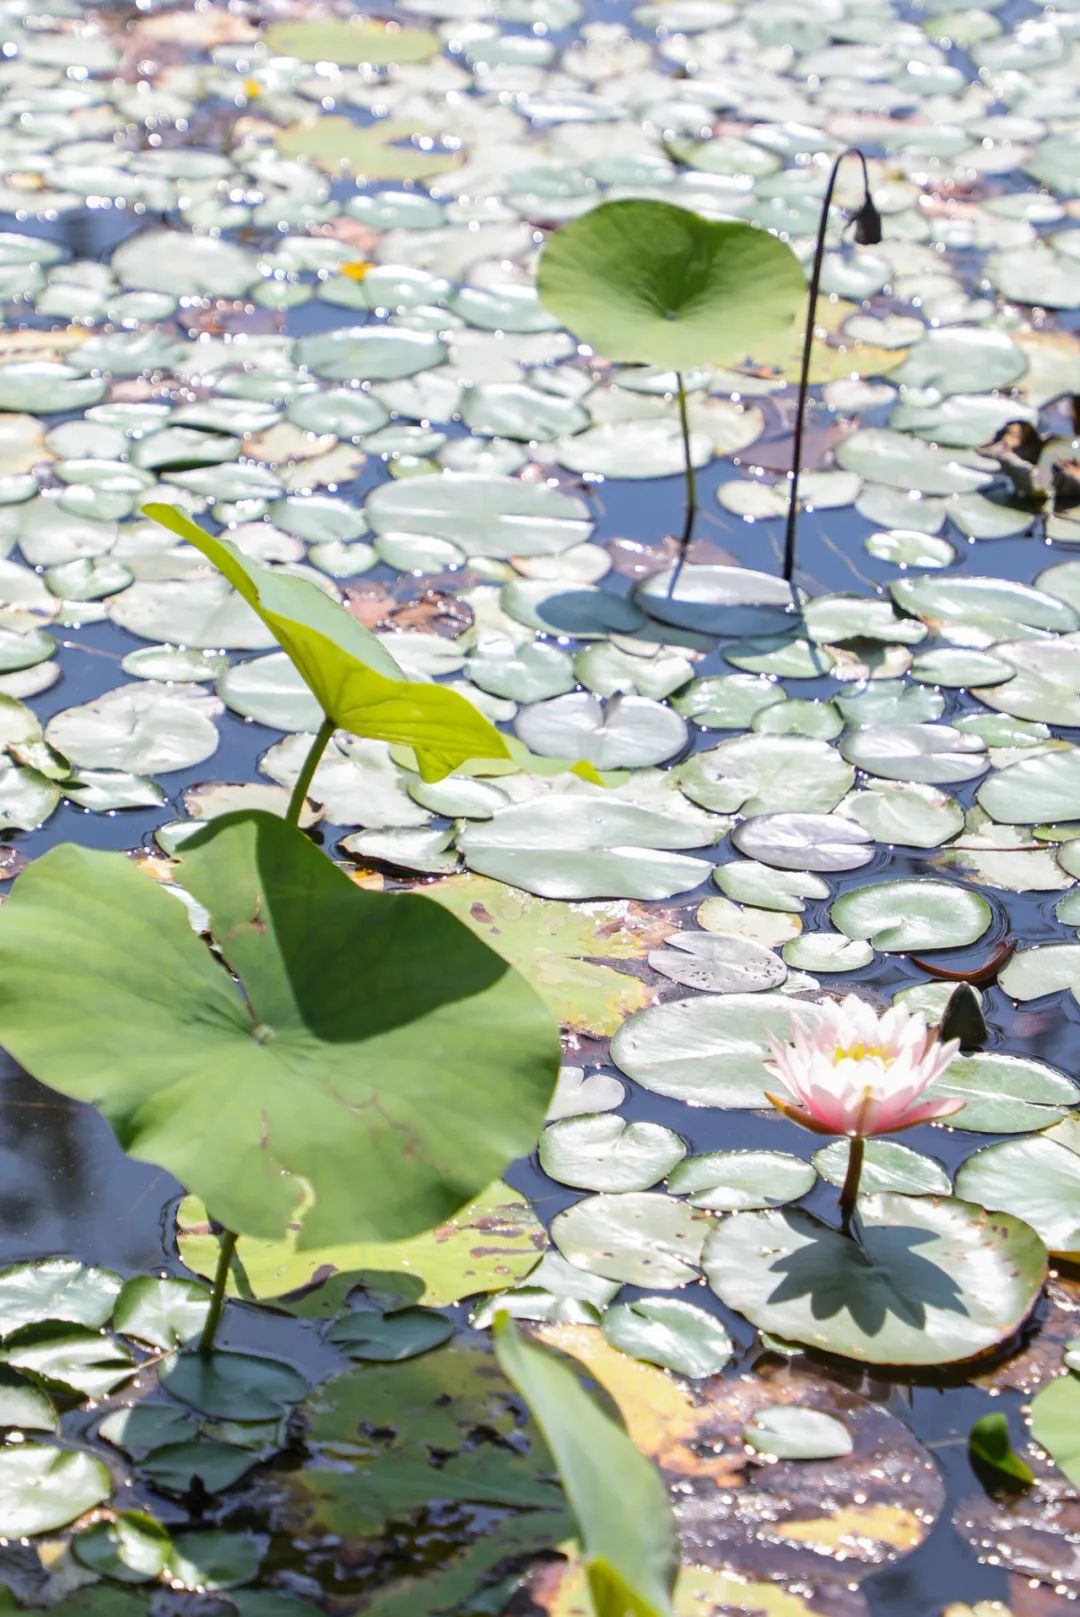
(672, 1333)
(814, 842)
(351, 42)
(43, 1488)
(1055, 1423)
(886, 1166)
(1005, 1093)
(233, 1386)
(132, 1547)
(390, 1337)
(72, 1358)
(160, 1310)
(767, 775)
(794, 1432)
(899, 916)
(1034, 1179)
(639, 1237)
(930, 1280)
(212, 1560)
(482, 515)
(933, 754)
(905, 813)
(1034, 790)
(386, 149)
(708, 1051)
(734, 1181)
(603, 1152)
(56, 1289)
(585, 846)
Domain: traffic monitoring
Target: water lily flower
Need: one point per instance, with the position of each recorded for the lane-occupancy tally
(852, 1072)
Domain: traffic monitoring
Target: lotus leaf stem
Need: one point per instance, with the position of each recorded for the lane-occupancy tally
(691, 484)
(308, 768)
(217, 1298)
(868, 231)
(850, 1192)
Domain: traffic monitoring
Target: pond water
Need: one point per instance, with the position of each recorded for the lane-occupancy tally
(276, 263)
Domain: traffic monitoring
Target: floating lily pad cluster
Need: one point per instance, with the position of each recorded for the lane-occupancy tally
(282, 272)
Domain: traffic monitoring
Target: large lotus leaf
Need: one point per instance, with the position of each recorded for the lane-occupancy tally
(357, 683)
(299, 1086)
(586, 845)
(650, 283)
(631, 1574)
(1034, 1179)
(897, 916)
(934, 754)
(1005, 1093)
(709, 1051)
(766, 775)
(482, 515)
(385, 149)
(350, 42)
(1035, 791)
(931, 1280)
(491, 1243)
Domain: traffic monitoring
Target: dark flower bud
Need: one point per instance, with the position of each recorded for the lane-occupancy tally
(867, 223)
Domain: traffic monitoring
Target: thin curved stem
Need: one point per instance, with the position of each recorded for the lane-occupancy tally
(804, 372)
(849, 1194)
(217, 1298)
(690, 475)
(310, 765)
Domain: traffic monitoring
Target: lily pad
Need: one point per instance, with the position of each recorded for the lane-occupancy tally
(930, 1281)
(793, 1432)
(824, 842)
(735, 1181)
(718, 963)
(1005, 1093)
(640, 1238)
(671, 1333)
(709, 1051)
(1034, 1179)
(43, 1488)
(899, 916)
(603, 1152)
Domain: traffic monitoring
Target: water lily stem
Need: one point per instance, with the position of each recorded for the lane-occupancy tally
(217, 1299)
(690, 516)
(808, 345)
(310, 765)
(850, 1192)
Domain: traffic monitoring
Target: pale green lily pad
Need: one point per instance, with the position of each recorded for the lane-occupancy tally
(767, 774)
(748, 882)
(929, 1282)
(1034, 790)
(887, 1165)
(603, 1152)
(793, 1432)
(933, 754)
(900, 916)
(708, 1051)
(735, 1181)
(672, 1333)
(483, 516)
(906, 813)
(1005, 1093)
(640, 1237)
(1034, 1179)
(717, 963)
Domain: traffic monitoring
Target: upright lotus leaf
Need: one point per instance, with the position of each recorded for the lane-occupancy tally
(375, 1060)
(618, 1500)
(354, 678)
(652, 284)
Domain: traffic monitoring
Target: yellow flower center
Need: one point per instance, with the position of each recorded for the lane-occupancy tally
(861, 1052)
